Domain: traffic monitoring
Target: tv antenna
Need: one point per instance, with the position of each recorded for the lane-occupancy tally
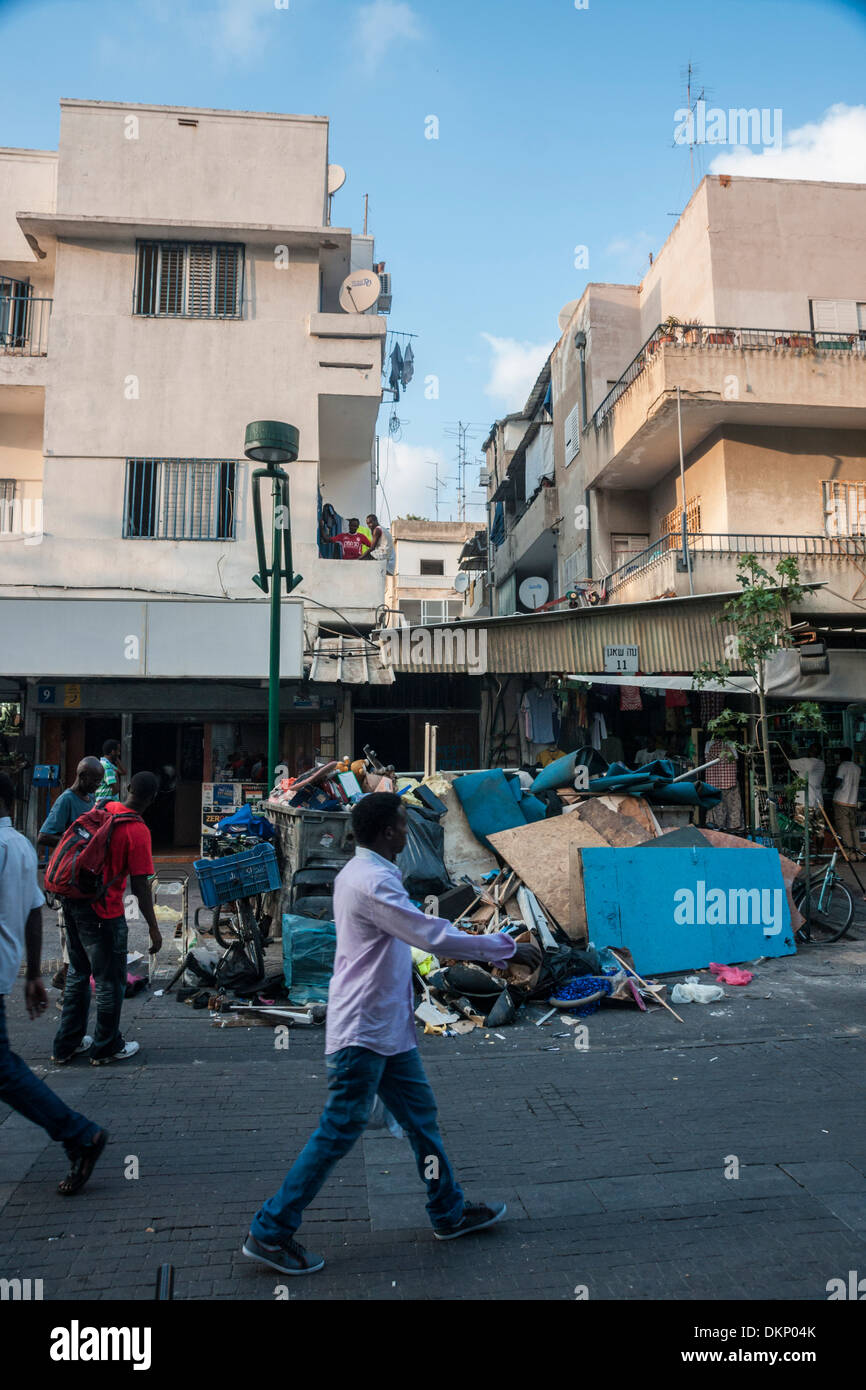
(436, 486)
(461, 432)
(691, 76)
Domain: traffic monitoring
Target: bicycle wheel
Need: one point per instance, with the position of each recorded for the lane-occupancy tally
(225, 922)
(831, 911)
(250, 938)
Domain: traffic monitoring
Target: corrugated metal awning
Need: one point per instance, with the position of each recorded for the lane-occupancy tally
(674, 636)
(349, 661)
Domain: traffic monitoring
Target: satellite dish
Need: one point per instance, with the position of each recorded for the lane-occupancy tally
(533, 592)
(461, 582)
(565, 314)
(359, 291)
(336, 178)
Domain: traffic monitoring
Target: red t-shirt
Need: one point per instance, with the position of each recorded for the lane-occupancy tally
(128, 853)
(353, 544)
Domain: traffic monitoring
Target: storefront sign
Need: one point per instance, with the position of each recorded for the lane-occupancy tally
(621, 660)
(220, 799)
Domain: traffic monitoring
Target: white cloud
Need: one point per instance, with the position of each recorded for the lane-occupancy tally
(382, 23)
(831, 149)
(406, 479)
(514, 369)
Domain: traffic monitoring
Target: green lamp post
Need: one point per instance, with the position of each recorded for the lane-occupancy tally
(272, 443)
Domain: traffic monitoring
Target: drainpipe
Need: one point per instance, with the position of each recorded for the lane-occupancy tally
(687, 559)
(580, 344)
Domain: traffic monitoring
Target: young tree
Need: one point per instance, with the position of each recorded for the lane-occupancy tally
(759, 616)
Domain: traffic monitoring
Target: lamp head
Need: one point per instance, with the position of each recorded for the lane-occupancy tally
(271, 441)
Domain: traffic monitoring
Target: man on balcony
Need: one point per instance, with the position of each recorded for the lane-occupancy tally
(353, 543)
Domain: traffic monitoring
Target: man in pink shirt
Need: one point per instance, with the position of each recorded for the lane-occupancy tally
(370, 1041)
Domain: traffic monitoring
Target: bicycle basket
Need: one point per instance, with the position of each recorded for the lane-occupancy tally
(238, 875)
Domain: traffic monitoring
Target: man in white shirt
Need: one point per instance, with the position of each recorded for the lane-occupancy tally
(845, 797)
(21, 902)
(811, 769)
(371, 1043)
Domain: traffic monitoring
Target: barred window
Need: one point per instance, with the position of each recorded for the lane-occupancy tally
(672, 524)
(844, 508)
(177, 279)
(180, 499)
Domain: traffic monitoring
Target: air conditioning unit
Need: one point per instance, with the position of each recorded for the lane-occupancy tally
(483, 478)
(383, 304)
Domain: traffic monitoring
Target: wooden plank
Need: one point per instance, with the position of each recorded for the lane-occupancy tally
(617, 830)
(538, 854)
(635, 807)
(576, 927)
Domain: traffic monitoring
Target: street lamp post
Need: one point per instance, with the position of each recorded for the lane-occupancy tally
(271, 442)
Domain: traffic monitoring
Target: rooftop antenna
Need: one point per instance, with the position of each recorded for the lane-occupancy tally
(462, 432)
(691, 72)
(437, 483)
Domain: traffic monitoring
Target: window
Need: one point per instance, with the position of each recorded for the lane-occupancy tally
(844, 508)
(176, 279)
(624, 548)
(7, 506)
(834, 315)
(432, 567)
(572, 435)
(672, 524)
(180, 499)
(434, 611)
(14, 306)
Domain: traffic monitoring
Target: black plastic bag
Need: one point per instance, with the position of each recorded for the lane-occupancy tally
(421, 862)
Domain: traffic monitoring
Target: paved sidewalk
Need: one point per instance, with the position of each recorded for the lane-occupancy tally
(612, 1160)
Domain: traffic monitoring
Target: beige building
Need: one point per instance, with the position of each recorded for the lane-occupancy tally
(166, 276)
(426, 566)
(748, 333)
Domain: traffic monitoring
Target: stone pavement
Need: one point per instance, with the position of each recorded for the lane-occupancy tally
(612, 1159)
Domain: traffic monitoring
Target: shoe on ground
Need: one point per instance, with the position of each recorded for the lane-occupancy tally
(84, 1046)
(128, 1050)
(289, 1257)
(476, 1216)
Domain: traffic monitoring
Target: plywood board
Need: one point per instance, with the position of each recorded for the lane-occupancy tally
(735, 907)
(538, 853)
(722, 840)
(635, 807)
(577, 928)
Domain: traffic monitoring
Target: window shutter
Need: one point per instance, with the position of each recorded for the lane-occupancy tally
(572, 435)
(834, 315)
(171, 279)
(199, 280)
(227, 280)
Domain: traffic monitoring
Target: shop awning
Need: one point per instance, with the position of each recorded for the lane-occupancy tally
(735, 685)
(349, 661)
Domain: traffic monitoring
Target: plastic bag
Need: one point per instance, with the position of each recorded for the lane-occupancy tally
(309, 947)
(730, 974)
(421, 862)
(381, 1118)
(691, 991)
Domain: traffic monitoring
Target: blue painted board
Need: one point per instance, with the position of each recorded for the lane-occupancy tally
(680, 910)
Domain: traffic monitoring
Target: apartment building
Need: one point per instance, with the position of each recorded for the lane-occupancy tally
(168, 275)
(746, 339)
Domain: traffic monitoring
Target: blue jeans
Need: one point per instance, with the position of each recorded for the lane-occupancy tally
(355, 1076)
(97, 947)
(36, 1101)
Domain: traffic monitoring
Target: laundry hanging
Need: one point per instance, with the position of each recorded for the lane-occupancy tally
(408, 370)
(396, 377)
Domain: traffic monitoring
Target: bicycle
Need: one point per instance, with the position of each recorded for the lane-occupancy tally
(831, 906)
(236, 885)
(226, 925)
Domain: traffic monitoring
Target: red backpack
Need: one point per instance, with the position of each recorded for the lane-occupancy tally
(76, 868)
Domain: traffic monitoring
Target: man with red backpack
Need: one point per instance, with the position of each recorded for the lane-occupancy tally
(89, 869)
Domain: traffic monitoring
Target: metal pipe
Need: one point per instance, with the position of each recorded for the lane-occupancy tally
(686, 555)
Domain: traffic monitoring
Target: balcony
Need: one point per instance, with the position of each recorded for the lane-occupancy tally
(23, 338)
(737, 376)
(659, 571)
(530, 542)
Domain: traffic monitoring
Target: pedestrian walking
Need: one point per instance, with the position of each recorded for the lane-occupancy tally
(845, 798)
(21, 902)
(370, 1041)
(97, 935)
(67, 808)
(112, 771)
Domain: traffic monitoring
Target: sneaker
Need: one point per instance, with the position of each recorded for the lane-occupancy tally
(84, 1046)
(476, 1215)
(128, 1050)
(289, 1257)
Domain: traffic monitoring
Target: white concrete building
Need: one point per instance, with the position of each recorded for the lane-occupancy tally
(166, 276)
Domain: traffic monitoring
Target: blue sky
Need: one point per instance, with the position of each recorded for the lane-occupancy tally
(555, 125)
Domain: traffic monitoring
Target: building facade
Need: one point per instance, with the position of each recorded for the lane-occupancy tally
(166, 276)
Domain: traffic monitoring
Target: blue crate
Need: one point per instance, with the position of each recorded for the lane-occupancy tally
(238, 875)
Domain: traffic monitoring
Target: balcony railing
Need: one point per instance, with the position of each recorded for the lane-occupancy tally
(746, 339)
(709, 543)
(23, 324)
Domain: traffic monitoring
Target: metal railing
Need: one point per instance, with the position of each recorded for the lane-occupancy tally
(735, 543)
(740, 339)
(23, 324)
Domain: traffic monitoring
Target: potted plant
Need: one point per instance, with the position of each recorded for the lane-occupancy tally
(692, 333)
